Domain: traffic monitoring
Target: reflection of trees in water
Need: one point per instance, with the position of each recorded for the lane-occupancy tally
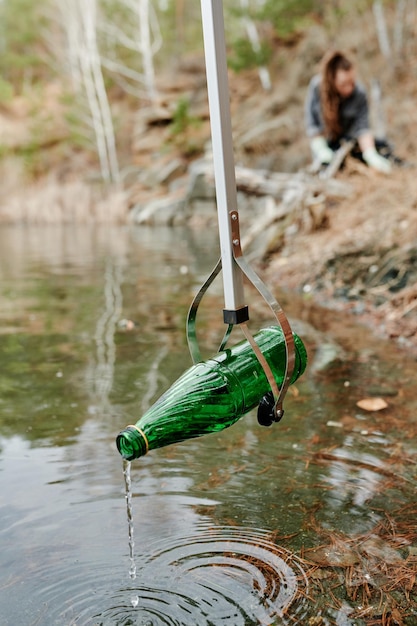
(101, 373)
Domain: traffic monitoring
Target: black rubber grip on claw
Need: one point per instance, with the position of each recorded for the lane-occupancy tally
(266, 410)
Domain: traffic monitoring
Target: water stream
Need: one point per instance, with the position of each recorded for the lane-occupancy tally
(309, 522)
(131, 529)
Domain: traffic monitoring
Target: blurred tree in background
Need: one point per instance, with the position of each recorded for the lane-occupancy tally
(137, 34)
(90, 47)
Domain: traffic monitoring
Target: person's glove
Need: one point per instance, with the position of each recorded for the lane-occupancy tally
(376, 161)
(321, 150)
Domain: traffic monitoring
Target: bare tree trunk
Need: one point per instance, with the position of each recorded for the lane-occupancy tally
(94, 84)
(146, 48)
(379, 126)
(79, 20)
(95, 114)
(179, 20)
(400, 15)
(381, 29)
(253, 36)
(139, 34)
(69, 19)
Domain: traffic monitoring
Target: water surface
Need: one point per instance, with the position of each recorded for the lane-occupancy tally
(283, 525)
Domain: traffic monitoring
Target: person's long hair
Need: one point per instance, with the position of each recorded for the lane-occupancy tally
(329, 97)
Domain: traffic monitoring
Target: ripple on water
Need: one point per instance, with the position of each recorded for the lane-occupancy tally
(219, 576)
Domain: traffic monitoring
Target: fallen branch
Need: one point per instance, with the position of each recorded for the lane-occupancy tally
(276, 184)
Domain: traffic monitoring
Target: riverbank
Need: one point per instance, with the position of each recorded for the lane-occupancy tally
(363, 262)
(352, 247)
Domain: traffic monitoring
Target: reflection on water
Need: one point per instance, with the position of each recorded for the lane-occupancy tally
(102, 374)
(241, 527)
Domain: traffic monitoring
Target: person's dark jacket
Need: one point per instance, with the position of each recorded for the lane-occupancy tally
(353, 112)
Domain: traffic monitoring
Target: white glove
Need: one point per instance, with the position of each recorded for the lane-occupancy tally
(321, 150)
(376, 161)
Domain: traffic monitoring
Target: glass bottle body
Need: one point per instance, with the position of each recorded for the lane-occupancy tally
(212, 395)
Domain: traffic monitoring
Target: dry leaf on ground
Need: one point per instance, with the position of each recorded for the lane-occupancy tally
(372, 404)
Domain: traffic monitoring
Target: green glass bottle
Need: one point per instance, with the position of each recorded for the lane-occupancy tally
(212, 395)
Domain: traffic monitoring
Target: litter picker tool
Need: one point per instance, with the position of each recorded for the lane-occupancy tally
(213, 394)
(232, 262)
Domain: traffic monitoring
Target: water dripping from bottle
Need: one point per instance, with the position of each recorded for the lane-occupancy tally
(128, 488)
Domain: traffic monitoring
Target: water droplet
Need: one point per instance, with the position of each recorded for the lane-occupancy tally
(135, 601)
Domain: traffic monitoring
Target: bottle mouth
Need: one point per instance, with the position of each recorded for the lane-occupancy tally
(132, 443)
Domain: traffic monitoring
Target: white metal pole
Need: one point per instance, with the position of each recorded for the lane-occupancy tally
(222, 142)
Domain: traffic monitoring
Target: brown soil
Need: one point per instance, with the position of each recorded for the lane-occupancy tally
(364, 260)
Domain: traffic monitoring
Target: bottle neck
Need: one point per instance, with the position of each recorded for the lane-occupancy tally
(132, 443)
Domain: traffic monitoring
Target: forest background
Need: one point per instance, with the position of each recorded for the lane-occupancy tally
(97, 97)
